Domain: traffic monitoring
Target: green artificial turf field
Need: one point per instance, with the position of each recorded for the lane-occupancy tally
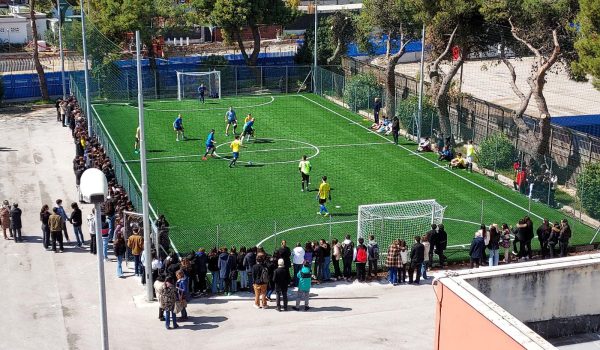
(207, 203)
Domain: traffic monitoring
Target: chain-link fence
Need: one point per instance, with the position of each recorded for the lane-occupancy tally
(502, 151)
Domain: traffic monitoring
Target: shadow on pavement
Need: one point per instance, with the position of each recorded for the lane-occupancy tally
(201, 322)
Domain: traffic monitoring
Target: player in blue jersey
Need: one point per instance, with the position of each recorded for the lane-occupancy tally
(178, 127)
(201, 92)
(210, 144)
(230, 119)
(248, 129)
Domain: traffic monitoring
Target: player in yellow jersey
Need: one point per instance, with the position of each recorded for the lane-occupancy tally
(136, 146)
(324, 194)
(470, 154)
(235, 148)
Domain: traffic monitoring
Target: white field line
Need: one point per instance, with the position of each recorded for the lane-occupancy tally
(202, 109)
(345, 222)
(269, 150)
(128, 168)
(428, 160)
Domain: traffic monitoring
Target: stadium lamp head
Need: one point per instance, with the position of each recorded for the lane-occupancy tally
(94, 188)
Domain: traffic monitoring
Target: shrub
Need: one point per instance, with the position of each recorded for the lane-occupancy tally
(360, 91)
(588, 189)
(496, 152)
(407, 111)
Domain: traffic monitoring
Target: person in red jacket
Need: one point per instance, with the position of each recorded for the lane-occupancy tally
(361, 260)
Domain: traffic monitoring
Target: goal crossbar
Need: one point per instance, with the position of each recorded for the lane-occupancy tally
(211, 78)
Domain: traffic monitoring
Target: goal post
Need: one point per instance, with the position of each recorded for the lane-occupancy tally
(189, 82)
(400, 220)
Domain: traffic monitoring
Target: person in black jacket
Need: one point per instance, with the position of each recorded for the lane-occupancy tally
(563, 237)
(543, 234)
(249, 262)
(440, 239)
(281, 278)
(232, 270)
(395, 129)
(44, 216)
(76, 220)
(417, 256)
(15, 222)
(477, 247)
(119, 249)
(200, 261)
(213, 267)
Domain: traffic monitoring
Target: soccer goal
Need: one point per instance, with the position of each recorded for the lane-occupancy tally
(189, 82)
(401, 220)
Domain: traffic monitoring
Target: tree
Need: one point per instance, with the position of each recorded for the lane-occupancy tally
(232, 16)
(116, 18)
(396, 20)
(540, 28)
(36, 53)
(588, 189)
(336, 32)
(342, 29)
(452, 27)
(588, 40)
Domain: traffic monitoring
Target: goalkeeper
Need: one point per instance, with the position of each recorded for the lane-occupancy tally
(201, 92)
(324, 194)
(305, 168)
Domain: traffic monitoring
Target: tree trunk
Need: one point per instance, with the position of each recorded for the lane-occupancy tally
(543, 146)
(440, 88)
(336, 53)
(36, 55)
(251, 59)
(390, 86)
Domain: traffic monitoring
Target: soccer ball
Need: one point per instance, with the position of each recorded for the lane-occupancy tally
(250, 163)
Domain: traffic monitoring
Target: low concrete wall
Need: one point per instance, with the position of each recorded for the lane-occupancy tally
(558, 289)
(518, 306)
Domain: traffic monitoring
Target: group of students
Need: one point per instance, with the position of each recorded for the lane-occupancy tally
(10, 220)
(419, 259)
(495, 239)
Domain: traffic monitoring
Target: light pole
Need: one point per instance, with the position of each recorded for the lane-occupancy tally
(421, 80)
(60, 48)
(94, 190)
(88, 109)
(145, 212)
(315, 49)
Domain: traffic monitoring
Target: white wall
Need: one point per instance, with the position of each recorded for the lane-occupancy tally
(13, 30)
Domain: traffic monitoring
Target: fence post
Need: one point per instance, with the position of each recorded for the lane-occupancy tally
(261, 77)
(275, 235)
(218, 235)
(235, 77)
(487, 127)
(287, 79)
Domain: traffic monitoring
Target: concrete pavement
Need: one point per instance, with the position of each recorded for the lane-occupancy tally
(51, 300)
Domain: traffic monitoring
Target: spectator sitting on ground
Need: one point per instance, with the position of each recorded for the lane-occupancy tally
(384, 125)
(425, 145)
(458, 162)
(446, 154)
(376, 126)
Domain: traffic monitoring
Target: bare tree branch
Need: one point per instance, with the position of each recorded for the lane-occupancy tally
(436, 63)
(513, 30)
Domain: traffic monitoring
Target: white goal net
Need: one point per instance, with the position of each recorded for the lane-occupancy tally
(188, 84)
(401, 220)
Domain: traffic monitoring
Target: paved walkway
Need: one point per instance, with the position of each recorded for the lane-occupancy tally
(51, 300)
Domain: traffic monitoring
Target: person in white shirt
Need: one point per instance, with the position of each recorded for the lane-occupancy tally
(297, 260)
